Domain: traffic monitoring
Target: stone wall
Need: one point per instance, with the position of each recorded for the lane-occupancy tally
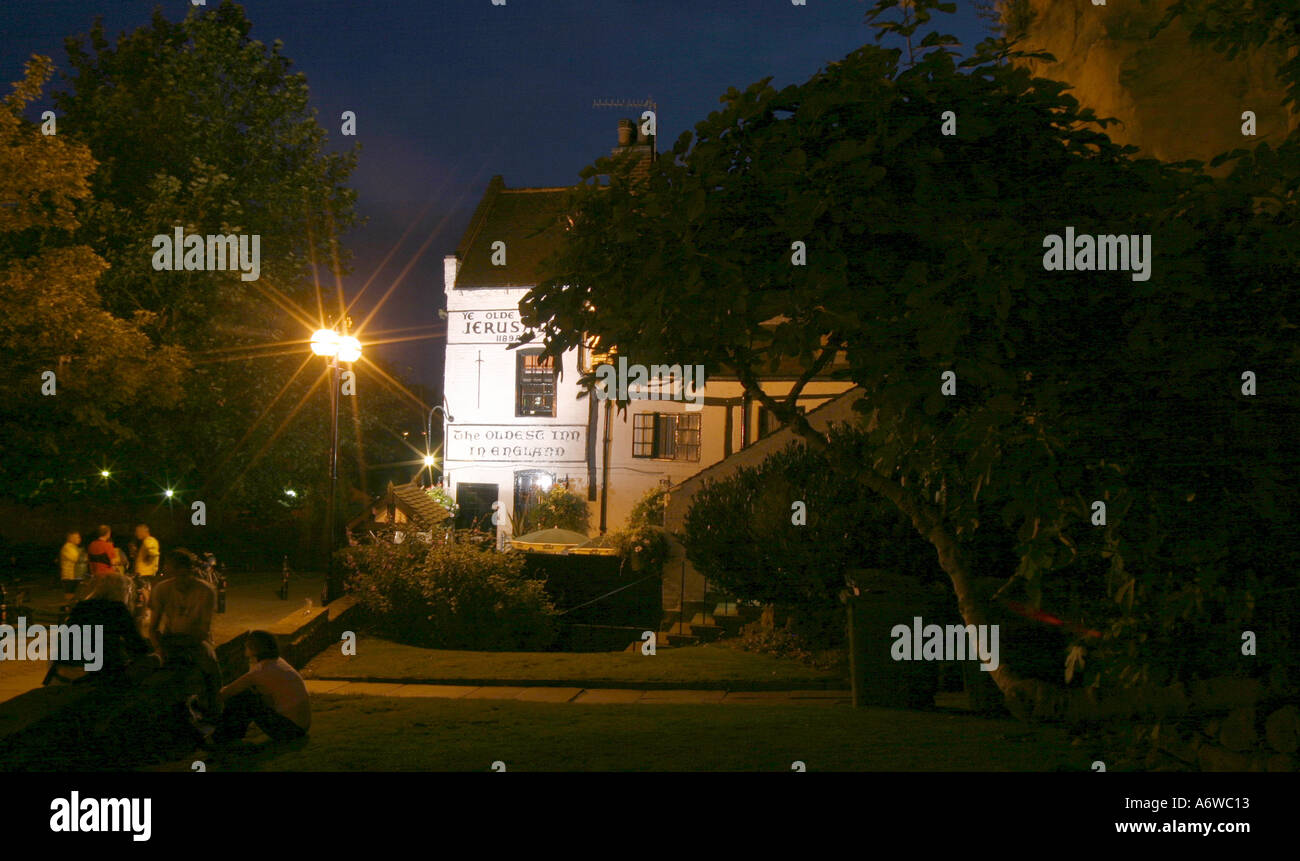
(1222, 724)
(1175, 99)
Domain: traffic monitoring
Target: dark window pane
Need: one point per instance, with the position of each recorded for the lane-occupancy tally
(665, 436)
(688, 436)
(643, 426)
(474, 503)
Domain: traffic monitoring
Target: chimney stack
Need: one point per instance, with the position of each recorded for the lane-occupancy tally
(636, 145)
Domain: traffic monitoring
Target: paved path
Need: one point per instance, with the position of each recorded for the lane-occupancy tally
(588, 696)
(251, 602)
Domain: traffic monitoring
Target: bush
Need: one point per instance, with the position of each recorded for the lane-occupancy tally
(450, 596)
(649, 509)
(559, 508)
(644, 547)
(741, 531)
(784, 643)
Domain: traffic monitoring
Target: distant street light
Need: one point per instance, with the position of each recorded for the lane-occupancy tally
(169, 493)
(103, 473)
(337, 348)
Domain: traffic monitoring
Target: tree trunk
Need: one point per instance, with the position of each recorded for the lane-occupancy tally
(1025, 698)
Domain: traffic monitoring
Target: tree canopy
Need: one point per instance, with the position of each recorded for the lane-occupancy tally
(923, 190)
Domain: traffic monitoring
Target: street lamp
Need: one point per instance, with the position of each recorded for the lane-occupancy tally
(429, 459)
(337, 348)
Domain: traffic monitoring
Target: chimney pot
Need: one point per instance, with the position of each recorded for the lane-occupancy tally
(625, 132)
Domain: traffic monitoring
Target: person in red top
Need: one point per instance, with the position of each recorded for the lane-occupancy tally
(102, 552)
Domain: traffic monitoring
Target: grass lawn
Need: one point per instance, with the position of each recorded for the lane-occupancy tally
(708, 666)
(408, 734)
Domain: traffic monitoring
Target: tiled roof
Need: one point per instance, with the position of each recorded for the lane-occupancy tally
(527, 220)
(423, 509)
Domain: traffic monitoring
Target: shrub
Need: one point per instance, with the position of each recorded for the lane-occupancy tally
(643, 546)
(649, 509)
(784, 643)
(741, 533)
(450, 596)
(439, 494)
(559, 508)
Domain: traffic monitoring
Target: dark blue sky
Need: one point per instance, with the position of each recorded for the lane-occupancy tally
(449, 92)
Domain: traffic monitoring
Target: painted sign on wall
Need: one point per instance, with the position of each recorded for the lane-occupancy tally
(532, 443)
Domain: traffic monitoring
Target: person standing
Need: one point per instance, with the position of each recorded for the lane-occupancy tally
(69, 556)
(103, 555)
(147, 553)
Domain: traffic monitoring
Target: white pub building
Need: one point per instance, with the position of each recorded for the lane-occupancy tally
(514, 425)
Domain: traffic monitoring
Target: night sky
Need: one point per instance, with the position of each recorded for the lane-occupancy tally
(449, 93)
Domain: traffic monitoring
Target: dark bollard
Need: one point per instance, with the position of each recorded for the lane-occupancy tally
(284, 581)
(857, 643)
(221, 593)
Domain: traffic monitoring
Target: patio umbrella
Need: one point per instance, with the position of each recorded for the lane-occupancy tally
(601, 545)
(555, 541)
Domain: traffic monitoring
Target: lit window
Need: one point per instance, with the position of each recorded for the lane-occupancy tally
(666, 436)
(534, 385)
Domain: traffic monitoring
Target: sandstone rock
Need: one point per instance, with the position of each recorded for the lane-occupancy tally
(1238, 731)
(1169, 701)
(1224, 693)
(1175, 99)
(1282, 729)
(1281, 762)
(1181, 746)
(1214, 758)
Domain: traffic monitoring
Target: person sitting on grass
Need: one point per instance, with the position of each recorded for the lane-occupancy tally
(271, 694)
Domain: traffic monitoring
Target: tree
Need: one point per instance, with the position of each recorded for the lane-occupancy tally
(195, 124)
(787, 530)
(53, 321)
(924, 258)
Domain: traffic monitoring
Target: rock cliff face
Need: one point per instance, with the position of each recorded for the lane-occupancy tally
(1175, 99)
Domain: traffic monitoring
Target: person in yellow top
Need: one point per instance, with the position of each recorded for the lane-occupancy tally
(69, 555)
(148, 553)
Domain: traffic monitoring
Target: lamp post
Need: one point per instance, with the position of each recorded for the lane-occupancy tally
(428, 433)
(337, 348)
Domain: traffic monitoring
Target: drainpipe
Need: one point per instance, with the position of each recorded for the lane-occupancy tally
(604, 479)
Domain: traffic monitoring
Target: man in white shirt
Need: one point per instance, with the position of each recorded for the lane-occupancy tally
(271, 694)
